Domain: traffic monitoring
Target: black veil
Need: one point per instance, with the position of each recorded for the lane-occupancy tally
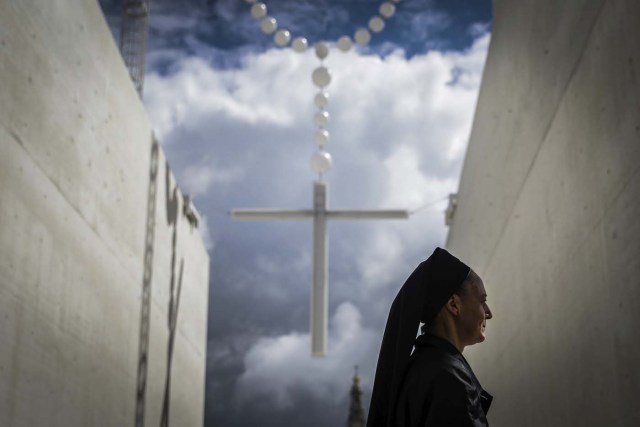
(421, 297)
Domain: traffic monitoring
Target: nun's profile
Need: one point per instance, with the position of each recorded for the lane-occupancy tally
(434, 385)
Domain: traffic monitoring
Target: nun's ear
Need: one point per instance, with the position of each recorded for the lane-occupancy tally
(453, 305)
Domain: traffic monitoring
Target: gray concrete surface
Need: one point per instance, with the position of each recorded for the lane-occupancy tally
(75, 167)
(548, 213)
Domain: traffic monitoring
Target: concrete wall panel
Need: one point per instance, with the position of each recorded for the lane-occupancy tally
(76, 155)
(525, 94)
(560, 251)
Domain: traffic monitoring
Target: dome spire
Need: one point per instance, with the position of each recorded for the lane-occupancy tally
(356, 413)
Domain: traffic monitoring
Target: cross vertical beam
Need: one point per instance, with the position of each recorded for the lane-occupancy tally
(320, 293)
(320, 214)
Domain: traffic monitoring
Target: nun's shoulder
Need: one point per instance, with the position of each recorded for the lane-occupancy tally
(434, 355)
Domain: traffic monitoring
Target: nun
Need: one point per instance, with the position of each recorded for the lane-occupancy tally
(426, 381)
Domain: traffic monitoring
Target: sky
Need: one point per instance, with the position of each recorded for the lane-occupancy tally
(234, 114)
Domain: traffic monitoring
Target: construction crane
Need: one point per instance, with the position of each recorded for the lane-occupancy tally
(133, 39)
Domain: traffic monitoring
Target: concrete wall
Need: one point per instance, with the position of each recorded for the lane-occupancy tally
(85, 198)
(548, 213)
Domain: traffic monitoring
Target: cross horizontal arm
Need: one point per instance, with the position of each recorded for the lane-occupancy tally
(269, 214)
(367, 214)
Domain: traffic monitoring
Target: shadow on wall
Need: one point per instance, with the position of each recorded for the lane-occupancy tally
(172, 209)
(143, 349)
(174, 291)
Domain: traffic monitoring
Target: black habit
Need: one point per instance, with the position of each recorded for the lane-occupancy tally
(440, 389)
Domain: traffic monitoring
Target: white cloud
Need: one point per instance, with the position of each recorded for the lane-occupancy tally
(277, 369)
(260, 93)
(205, 233)
(425, 22)
(273, 90)
(198, 178)
(407, 184)
(479, 29)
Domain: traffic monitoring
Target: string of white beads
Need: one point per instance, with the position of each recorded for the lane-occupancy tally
(321, 77)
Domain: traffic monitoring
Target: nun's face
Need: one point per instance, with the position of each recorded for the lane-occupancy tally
(474, 313)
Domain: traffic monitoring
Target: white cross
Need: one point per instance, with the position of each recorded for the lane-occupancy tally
(320, 215)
